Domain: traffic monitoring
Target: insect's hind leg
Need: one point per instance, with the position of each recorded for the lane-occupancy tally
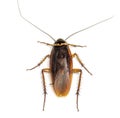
(39, 62)
(78, 88)
(44, 85)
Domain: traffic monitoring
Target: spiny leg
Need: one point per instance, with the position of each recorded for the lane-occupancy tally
(39, 62)
(44, 85)
(75, 55)
(53, 44)
(46, 43)
(77, 45)
(78, 88)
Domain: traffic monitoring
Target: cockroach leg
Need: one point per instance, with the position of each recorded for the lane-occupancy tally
(44, 85)
(78, 88)
(45, 43)
(62, 44)
(39, 62)
(77, 45)
(75, 55)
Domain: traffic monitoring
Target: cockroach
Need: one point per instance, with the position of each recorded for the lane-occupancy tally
(61, 63)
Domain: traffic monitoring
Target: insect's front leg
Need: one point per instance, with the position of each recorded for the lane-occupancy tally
(44, 84)
(39, 62)
(75, 55)
(79, 81)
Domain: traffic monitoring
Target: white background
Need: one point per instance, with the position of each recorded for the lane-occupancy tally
(21, 91)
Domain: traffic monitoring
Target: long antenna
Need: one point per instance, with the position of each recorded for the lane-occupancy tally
(32, 23)
(88, 27)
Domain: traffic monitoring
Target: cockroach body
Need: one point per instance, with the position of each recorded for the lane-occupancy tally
(61, 64)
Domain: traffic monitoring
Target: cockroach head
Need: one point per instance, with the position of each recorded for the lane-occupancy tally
(59, 41)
